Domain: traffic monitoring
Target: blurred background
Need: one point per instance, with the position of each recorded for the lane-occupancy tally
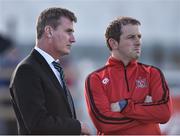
(160, 29)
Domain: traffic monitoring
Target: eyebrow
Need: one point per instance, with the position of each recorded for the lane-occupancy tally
(70, 30)
(133, 35)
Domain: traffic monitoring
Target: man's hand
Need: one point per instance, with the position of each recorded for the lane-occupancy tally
(115, 107)
(148, 99)
(85, 130)
(118, 106)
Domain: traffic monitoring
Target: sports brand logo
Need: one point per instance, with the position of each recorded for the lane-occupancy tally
(141, 83)
(105, 80)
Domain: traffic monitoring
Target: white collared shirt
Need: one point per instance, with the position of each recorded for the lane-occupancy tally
(49, 59)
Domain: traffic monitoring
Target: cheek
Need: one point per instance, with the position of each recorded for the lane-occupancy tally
(63, 38)
(129, 46)
(59, 38)
(126, 47)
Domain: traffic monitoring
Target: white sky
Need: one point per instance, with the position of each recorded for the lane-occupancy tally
(160, 18)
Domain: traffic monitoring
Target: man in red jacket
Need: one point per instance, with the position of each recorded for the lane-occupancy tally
(125, 96)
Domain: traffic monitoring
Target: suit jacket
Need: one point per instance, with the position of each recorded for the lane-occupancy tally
(39, 101)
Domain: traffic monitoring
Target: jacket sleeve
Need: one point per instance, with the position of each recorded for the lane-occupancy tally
(99, 108)
(157, 111)
(30, 99)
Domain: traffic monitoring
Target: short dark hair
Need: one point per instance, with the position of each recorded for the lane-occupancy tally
(114, 28)
(50, 16)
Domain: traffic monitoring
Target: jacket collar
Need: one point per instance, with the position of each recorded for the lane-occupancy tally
(49, 73)
(115, 62)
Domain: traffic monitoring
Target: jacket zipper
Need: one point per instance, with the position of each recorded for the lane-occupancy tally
(125, 73)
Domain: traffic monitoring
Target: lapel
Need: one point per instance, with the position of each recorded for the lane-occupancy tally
(45, 66)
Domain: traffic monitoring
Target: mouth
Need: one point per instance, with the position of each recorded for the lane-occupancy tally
(138, 50)
(69, 46)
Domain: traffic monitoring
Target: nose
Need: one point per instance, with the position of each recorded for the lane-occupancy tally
(138, 41)
(72, 39)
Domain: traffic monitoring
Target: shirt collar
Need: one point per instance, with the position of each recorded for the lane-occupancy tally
(46, 56)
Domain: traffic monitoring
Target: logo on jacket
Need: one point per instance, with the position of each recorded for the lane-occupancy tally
(141, 83)
(105, 80)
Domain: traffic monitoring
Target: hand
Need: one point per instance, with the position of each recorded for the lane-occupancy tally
(115, 107)
(85, 130)
(118, 106)
(148, 99)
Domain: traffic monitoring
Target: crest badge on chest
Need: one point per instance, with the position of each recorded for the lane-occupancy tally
(105, 80)
(141, 82)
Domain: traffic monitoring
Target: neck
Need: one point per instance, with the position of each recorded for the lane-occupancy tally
(120, 57)
(45, 46)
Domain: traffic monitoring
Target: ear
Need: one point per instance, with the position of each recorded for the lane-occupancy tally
(48, 31)
(113, 43)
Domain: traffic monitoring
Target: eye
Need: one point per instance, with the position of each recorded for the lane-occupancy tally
(139, 36)
(131, 37)
(69, 31)
(134, 36)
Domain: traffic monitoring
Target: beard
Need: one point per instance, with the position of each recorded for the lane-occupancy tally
(135, 55)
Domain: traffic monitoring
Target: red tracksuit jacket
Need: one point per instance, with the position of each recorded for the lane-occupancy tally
(134, 82)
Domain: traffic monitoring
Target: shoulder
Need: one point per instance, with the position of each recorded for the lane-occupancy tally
(24, 70)
(27, 65)
(150, 68)
(97, 73)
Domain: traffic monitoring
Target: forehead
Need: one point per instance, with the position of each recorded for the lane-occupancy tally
(65, 22)
(130, 29)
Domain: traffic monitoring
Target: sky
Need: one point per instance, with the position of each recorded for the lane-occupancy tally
(159, 18)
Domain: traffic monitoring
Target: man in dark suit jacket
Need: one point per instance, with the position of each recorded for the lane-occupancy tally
(41, 100)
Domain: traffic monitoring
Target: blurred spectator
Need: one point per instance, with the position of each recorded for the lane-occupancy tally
(5, 43)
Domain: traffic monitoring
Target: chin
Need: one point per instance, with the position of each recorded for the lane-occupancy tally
(136, 57)
(67, 52)
(64, 53)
